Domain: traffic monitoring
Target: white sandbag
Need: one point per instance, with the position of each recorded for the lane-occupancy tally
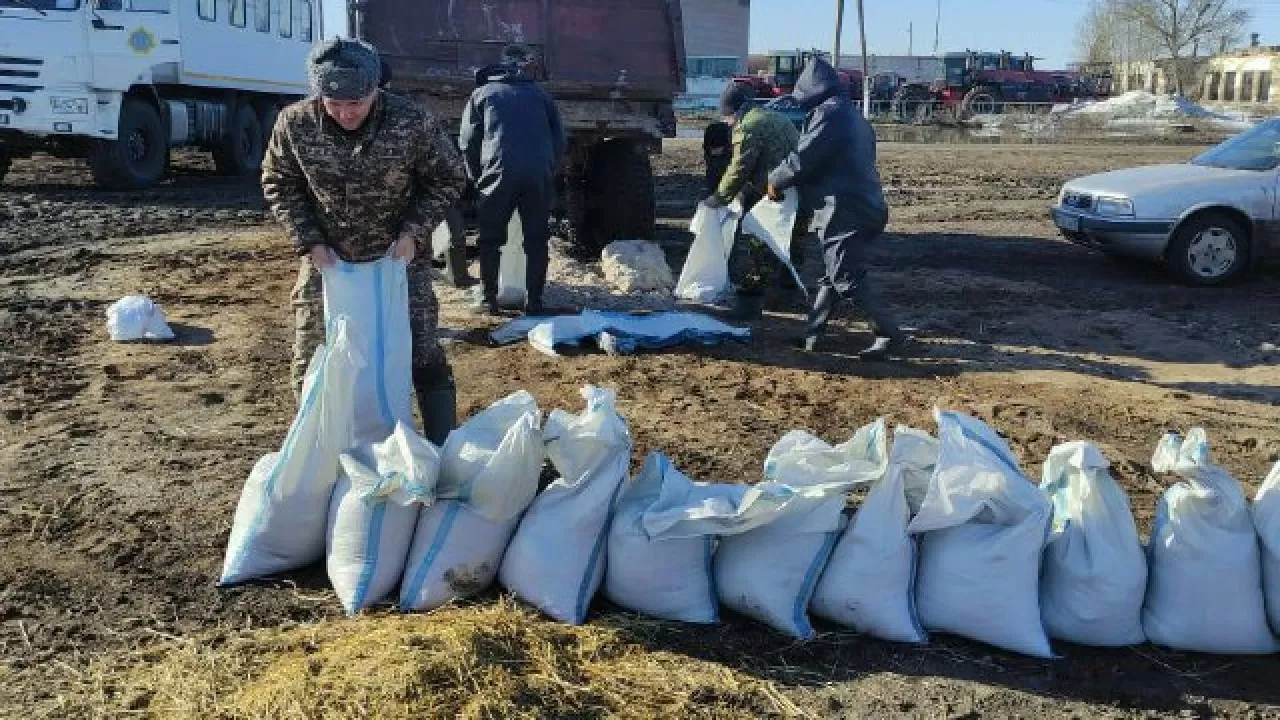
(1094, 576)
(556, 560)
(769, 573)
(372, 514)
(1266, 518)
(1204, 593)
(663, 537)
(489, 476)
(280, 523)
(494, 460)
(773, 223)
(511, 269)
(705, 275)
(374, 297)
(137, 317)
(869, 583)
(983, 526)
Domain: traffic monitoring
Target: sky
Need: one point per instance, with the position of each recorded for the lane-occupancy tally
(1044, 28)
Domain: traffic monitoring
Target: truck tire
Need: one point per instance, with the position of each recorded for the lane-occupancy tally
(5, 163)
(267, 118)
(619, 196)
(1208, 250)
(240, 153)
(137, 159)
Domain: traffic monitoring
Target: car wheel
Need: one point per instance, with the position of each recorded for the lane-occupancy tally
(1209, 249)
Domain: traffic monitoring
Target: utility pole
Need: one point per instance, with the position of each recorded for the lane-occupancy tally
(937, 26)
(835, 56)
(911, 38)
(866, 70)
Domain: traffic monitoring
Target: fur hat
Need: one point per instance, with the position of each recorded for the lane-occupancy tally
(344, 69)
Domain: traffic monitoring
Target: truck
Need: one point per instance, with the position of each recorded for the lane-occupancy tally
(122, 82)
(614, 68)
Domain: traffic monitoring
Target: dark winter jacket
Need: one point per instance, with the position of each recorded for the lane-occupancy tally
(511, 131)
(834, 165)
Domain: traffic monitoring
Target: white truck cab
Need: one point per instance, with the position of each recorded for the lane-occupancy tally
(120, 82)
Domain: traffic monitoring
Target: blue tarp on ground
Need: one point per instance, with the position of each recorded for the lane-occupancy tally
(619, 333)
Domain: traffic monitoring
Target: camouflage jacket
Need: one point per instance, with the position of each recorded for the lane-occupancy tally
(358, 191)
(762, 139)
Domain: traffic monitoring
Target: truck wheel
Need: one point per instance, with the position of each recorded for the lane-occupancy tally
(240, 153)
(619, 196)
(5, 163)
(1209, 249)
(267, 118)
(137, 159)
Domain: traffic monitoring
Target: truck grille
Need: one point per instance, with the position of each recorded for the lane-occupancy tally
(1078, 201)
(20, 75)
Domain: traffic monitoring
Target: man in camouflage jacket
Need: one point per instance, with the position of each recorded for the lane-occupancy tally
(762, 139)
(357, 174)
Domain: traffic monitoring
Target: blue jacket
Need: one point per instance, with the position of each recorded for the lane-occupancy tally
(511, 132)
(834, 166)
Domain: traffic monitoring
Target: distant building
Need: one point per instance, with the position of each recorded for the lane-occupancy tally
(715, 36)
(1157, 76)
(914, 68)
(1243, 77)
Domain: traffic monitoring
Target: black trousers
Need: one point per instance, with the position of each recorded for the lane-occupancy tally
(533, 199)
(844, 257)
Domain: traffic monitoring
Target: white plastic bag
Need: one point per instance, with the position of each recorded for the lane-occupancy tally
(770, 573)
(663, 537)
(279, 523)
(1204, 593)
(705, 275)
(869, 583)
(511, 269)
(137, 317)
(984, 527)
(1266, 518)
(372, 514)
(489, 476)
(773, 223)
(1095, 575)
(556, 560)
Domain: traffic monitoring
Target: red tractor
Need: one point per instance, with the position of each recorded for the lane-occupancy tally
(785, 68)
(980, 83)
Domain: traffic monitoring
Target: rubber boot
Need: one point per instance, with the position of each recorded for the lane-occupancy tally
(486, 302)
(437, 401)
(747, 308)
(455, 265)
(816, 324)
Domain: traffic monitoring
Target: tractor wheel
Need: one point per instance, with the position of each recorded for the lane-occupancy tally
(912, 104)
(136, 160)
(618, 198)
(981, 100)
(240, 152)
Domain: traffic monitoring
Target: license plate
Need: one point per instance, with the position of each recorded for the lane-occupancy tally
(1070, 223)
(4, 119)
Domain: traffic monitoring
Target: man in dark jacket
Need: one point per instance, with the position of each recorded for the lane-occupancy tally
(512, 140)
(834, 168)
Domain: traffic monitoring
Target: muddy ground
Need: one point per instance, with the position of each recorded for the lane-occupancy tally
(120, 464)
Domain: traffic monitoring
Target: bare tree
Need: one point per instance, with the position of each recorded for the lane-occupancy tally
(1106, 33)
(1183, 27)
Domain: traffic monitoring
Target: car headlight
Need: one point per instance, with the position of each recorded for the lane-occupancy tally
(1113, 205)
(69, 106)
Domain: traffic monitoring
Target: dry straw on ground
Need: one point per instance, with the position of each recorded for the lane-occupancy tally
(492, 661)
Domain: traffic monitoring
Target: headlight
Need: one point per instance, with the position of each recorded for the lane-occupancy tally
(69, 106)
(1111, 205)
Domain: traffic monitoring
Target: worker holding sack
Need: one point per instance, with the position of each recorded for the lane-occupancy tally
(834, 168)
(761, 140)
(356, 174)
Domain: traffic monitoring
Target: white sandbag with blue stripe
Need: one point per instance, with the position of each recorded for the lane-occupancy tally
(372, 515)
(556, 560)
(489, 475)
(869, 583)
(770, 573)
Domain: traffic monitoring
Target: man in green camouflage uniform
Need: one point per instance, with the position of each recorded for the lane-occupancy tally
(357, 174)
(761, 140)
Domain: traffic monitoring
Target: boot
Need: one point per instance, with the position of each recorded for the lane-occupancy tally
(437, 401)
(486, 300)
(455, 265)
(747, 308)
(884, 348)
(816, 324)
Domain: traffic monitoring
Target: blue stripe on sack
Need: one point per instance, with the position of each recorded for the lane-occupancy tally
(379, 347)
(911, 593)
(711, 579)
(584, 590)
(268, 487)
(409, 595)
(372, 543)
(800, 614)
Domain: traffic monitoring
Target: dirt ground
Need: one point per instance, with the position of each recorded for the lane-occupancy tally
(120, 464)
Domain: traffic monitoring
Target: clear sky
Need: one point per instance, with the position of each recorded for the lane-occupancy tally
(1044, 28)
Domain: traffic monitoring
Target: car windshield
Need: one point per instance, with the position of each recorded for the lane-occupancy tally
(44, 5)
(1255, 149)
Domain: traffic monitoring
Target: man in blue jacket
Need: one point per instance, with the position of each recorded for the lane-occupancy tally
(512, 140)
(834, 168)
